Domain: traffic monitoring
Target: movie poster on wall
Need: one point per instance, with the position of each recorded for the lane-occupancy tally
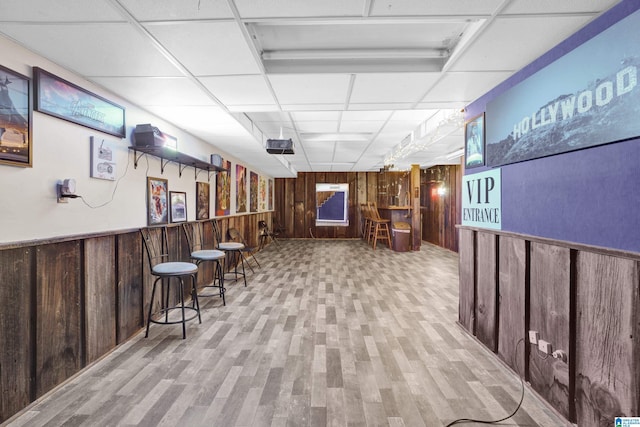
(253, 192)
(241, 188)
(223, 190)
(262, 194)
(588, 97)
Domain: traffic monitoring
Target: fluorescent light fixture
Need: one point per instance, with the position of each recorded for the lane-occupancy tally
(302, 54)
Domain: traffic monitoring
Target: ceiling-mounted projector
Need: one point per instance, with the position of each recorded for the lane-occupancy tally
(280, 146)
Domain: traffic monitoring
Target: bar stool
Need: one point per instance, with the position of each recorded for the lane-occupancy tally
(156, 245)
(380, 226)
(194, 233)
(234, 249)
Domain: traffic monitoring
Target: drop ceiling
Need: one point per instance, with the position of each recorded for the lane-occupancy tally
(356, 84)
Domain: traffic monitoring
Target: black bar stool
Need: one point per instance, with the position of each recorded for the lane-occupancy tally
(234, 249)
(194, 233)
(155, 243)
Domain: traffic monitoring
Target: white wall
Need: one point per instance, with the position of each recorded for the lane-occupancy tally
(28, 205)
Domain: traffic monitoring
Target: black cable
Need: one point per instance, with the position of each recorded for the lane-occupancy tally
(472, 420)
(113, 194)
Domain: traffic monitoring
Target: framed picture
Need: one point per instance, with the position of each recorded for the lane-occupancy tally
(15, 118)
(202, 200)
(64, 100)
(474, 142)
(157, 206)
(103, 164)
(178, 206)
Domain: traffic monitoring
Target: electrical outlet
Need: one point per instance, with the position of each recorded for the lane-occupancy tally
(533, 337)
(544, 347)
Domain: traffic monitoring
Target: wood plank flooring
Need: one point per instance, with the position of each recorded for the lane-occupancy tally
(327, 333)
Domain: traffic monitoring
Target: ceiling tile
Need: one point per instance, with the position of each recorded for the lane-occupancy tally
(318, 126)
(94, 49)
(554, 6)
(67, 11)
(157, 91)
(391, 87)
(298, 8)
(499, 49)
(366, 115)
(163, 10)
(240, 90)
(316, 115)
(207, 48)
(434, 7)
(310, 88)
(465, 87)
(371, 126)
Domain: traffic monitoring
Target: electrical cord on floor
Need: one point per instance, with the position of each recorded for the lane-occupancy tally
(472, 420)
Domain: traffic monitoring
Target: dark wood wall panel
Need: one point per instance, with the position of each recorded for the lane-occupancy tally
(16, 343)
(583, 300)
(129, 285)
(511, 308)
(549, 315)
(58, 320)
(606, 337)
(441, 212)
(67, 302)
(486, 325)
(466, 313)
(100, 296)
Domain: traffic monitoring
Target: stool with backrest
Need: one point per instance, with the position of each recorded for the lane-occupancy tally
(248, 252)
(234, 249)
(156, 245)
(194, 232)
(380, 226)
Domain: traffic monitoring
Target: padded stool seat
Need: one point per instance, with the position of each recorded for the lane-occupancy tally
(230, 246)
(208, 254)
(156, 245)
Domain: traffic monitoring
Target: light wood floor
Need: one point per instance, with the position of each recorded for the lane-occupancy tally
(327, 332)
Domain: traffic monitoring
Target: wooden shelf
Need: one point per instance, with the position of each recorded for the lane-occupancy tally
(170, 155)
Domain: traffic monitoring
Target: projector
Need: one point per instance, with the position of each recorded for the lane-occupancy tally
(280, 146)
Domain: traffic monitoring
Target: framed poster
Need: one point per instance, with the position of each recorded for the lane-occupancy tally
(474, 142)
(178, 206)
(241, 188)
(15, 118)
(262, 194)
(253, 192)
(103, 164)
(202, 200)
(223, 190)
(62, 99)
(157, 206)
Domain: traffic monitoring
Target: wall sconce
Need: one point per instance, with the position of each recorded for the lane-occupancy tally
(66, 190)
(442, 190)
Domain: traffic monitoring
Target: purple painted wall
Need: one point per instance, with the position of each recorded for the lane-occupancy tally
(590, 196)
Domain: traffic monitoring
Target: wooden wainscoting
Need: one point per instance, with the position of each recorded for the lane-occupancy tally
(68, 301)
(583, 300)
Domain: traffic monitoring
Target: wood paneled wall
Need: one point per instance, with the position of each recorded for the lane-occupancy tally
(583, 300)
(295, 202)
(441, 212)
(67, 302)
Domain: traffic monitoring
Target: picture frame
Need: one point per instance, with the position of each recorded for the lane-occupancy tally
(15, 119)
(178, 206)
(202, 200)
(474, 142)
(62, 99)
(157, 201)
(103, 162)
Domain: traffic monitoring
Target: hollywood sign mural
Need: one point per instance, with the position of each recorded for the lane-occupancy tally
(588, 97)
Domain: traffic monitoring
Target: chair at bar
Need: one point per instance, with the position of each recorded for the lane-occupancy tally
(379, 226)
(234, 249)
(156, 245)
(194, 232)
